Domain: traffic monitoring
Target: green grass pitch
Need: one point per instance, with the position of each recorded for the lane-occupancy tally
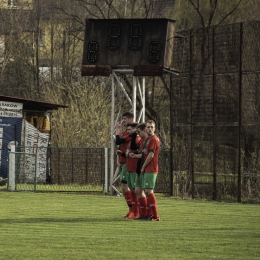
(71, 226)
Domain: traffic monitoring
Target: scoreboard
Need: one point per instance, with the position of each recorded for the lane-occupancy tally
(145, 45)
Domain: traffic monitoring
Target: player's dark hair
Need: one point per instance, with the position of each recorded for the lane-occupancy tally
(128, 114)
(141, 126)
(134, 124)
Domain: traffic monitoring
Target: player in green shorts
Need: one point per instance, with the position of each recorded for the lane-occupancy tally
(144, 210)
(131, 167)
(122, 139)
(149, 168)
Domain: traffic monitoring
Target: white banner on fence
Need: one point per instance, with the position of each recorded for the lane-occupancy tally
(35, 142)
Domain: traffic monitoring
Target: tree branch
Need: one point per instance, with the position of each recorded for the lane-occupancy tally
(112, 7)
(213, 4)
(230, 12)
(198, 11)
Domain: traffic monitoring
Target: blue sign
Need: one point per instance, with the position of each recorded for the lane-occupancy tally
(10, 131)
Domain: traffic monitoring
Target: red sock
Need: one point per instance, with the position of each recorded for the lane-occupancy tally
(135, 203)
(143, 204)
(153, 205)
(128, 199)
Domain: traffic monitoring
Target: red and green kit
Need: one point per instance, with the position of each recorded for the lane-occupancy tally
(151, 144)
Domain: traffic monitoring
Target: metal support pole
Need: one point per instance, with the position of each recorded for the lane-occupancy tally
(116, 81)
(134, 98)
(143, 98)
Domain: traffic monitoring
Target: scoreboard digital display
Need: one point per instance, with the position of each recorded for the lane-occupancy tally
(144, 45)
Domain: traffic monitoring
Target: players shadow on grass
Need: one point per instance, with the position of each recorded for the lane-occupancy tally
(57, 220)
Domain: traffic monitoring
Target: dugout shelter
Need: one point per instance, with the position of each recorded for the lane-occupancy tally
(25, 123)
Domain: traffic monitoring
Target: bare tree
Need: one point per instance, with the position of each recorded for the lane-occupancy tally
(17, 50)
(86, 123)
(192, 14)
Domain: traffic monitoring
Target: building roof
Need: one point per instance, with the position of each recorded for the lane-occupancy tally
(32, 105)
(16, 20)
(161, 6)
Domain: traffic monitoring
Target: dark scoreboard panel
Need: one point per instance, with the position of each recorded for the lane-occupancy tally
(144, 45)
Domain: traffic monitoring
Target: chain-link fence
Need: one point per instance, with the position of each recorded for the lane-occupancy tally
(73, 169)
(215, 113)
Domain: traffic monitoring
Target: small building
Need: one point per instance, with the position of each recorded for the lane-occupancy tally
(161, 7)
(25, 123)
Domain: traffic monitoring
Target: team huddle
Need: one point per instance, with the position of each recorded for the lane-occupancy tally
(138, 162)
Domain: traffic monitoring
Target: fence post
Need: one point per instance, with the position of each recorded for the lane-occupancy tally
(239, 195)
(35, 172)
(11, 171)
(106, 169)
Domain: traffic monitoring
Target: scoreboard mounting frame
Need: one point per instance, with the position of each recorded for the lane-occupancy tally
(144, 45)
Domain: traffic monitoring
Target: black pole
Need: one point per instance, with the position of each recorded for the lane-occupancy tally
(214, 192)
(240, 115)
(172, 137)
(191, 125)
(72, 166)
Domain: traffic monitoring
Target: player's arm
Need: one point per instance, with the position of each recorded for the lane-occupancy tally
(118, 139)
(134, 155)
(133, 145)
(118, 161)
(120, 153)
(148, 160)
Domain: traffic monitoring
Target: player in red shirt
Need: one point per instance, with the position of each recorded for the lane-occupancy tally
(149, 149)
(141, 130)
(131, 164)
(122, 139)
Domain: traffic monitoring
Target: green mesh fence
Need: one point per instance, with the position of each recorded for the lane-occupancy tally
(215, 113)
(67, 169)
(22, 171)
